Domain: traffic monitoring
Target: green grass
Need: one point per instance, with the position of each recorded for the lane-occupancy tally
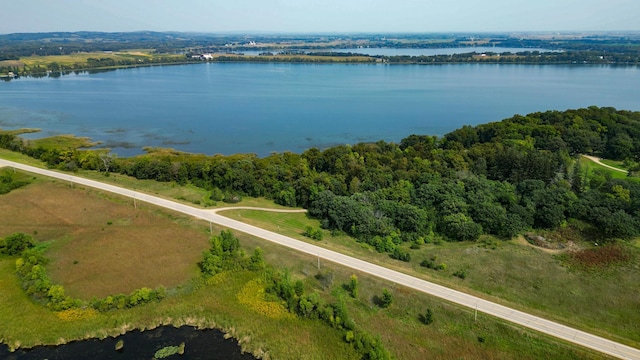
(21, 158)
(589, 167)
(19, 131)
(614, 163)
(453, 335)
(514, 274)
(63, 142)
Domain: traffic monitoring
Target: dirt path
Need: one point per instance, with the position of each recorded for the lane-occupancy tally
(597, 161)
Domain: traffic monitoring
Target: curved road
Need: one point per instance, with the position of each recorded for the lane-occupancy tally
(533, 322)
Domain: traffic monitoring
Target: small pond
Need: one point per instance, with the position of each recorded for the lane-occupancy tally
(199, 344)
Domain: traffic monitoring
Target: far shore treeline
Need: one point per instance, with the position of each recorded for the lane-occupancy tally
(502, 178)
(60, 53)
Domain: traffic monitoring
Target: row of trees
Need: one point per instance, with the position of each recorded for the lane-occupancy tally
(225, 254)
(501, 178)
(30, 267)
(334, 314)
(526, 57)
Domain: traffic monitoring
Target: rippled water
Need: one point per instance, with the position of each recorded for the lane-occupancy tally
(261, 108)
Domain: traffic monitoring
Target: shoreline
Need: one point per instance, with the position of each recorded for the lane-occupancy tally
(310, 59)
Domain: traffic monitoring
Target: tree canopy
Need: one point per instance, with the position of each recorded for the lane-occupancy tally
(500, 178)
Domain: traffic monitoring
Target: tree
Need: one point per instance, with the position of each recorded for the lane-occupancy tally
(460, 227)
(386, 299)
(427, 318)
(256, 261)
(16, 244)
(107, 158)
(353, 286)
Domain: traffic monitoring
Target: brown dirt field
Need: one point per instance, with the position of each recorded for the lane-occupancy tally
(11, 63)
(141, 248)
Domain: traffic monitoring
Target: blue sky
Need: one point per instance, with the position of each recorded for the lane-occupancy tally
(320, 15)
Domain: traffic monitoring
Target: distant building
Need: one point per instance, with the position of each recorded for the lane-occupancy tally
(204, 57)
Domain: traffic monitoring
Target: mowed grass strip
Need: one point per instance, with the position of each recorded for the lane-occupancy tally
(102, 245)
(508, 272)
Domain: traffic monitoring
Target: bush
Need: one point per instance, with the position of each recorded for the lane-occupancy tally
(430, 263)
(399, 255)
(427, 318)
(15, 244)
(461, 274)
(387, 298)
(216, 195)
(315, 234)
(232, 198)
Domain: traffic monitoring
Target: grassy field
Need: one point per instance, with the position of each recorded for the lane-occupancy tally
(589, 167)
(21, 158)
(80, 59)
(222, 303)
(509, 272)
(615, 164)
(63, 142)
(94, 242)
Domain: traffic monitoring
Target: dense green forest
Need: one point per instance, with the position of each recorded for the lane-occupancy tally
(502, 178)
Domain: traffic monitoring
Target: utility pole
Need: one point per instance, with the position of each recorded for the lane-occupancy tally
(135, 206)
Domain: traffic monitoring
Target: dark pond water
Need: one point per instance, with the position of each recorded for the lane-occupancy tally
(199, 344)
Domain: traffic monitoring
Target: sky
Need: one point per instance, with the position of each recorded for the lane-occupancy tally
(324, 16)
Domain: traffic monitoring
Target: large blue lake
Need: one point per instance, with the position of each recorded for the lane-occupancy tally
(261, 108)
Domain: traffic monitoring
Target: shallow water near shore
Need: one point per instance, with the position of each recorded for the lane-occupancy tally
(199, 345)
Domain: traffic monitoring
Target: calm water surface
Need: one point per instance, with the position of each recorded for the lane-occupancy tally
(199, 345)
(261, 108)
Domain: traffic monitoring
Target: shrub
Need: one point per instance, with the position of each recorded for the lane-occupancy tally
(315, 234)
(232, 198)
(15, 244)
(427, 318)
(461, 274)
(430, 263)
(399, 255)
(353, 286)
(387, 298)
